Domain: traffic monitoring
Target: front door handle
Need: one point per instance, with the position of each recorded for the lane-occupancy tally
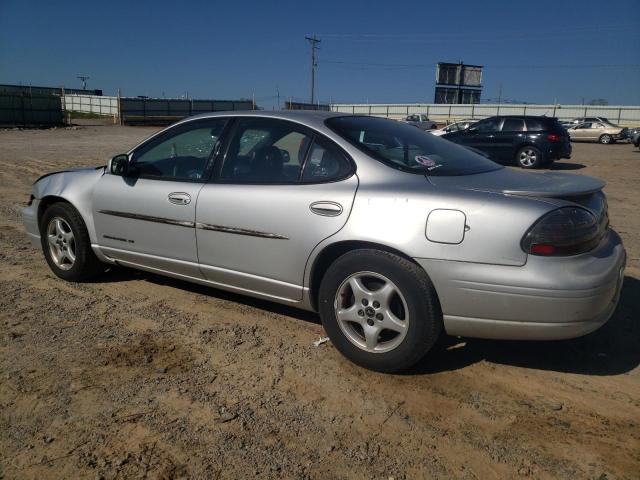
(326, 209)
(179, 198)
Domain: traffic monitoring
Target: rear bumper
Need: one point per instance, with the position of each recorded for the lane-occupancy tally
(30, 221)
(557, 152)
(548, 298)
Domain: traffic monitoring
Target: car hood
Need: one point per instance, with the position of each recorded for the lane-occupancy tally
(530, 184)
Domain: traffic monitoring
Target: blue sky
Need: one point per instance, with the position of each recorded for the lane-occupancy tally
(370, 51)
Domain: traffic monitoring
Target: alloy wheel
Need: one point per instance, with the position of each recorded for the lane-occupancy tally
(528, 157)
(62, 244)
(372, 312)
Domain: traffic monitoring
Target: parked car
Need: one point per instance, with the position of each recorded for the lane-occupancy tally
(596, 132)
(579, 120)
(393, 236)
(453, 127)
(420, 121)
(531, 142)
(632, 132)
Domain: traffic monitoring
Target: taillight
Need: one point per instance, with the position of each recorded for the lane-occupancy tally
(552, 137)
(565, 231)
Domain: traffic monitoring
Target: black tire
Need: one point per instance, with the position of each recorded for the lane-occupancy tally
(530, 157)
(425, 316)
(86, 264)
(605, 139)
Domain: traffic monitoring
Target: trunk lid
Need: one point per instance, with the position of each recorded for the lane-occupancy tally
(529, 184)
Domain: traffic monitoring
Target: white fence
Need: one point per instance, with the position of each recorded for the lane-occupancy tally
(623, 115)
(91, 104)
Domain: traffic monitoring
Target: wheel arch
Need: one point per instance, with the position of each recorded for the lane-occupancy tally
(332, 252)
(47, 201)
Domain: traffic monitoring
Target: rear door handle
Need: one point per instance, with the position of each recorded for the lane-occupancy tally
(179, 198)
(326, 209)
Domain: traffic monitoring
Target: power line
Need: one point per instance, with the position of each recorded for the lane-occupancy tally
(430, 65)
(479, 36)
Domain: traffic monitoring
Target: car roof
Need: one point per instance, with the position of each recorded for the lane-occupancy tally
(297, 115)
(525, 116)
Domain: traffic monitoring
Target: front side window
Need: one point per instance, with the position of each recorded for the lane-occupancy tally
(181, 154)
(583, 126)
(487, 125)
(407, 148)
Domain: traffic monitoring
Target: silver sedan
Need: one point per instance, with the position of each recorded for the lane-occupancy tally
(393, 235)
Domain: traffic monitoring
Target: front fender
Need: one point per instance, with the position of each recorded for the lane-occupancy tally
(73, 186)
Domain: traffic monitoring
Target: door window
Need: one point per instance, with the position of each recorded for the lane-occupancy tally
(488, 125)
(181, 154)
(583, 126)
(513, 125)
(265, 150)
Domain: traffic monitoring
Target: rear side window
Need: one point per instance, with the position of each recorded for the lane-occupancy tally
(273, 151)
(325, 163)
(513, 125)
(265, 150)
(535, 125)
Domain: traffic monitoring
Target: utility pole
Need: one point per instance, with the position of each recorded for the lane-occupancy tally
(84, 79)
(278, 95)
(314, 41)
(499, 94)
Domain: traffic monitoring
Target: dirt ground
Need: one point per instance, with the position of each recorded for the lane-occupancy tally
(139, 376)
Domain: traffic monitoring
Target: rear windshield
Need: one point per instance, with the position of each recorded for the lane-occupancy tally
(408, 148)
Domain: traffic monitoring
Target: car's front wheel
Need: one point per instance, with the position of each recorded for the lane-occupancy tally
(606, 139)
(379, 309)
(66, 244)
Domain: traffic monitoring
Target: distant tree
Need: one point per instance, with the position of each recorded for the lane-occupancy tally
(599, 101)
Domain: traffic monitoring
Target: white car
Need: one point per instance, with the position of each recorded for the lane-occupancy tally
(453, 127)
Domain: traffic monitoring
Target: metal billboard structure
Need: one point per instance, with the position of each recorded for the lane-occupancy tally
(458, 83)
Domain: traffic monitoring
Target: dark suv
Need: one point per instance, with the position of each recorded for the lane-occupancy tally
(532, 142)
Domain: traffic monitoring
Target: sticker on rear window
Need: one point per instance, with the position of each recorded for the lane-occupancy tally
(426, 162)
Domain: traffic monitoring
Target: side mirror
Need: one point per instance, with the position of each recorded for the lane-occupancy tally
(119, 165)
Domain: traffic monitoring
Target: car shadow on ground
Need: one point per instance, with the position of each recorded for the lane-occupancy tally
(121, 274)
(613, 349)
(565, 166)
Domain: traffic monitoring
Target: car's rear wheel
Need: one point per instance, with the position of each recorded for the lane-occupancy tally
(379, 309)
(530, 157)
(66, 244)
(605, 139)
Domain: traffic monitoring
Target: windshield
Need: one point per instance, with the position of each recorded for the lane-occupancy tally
(408, 148)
